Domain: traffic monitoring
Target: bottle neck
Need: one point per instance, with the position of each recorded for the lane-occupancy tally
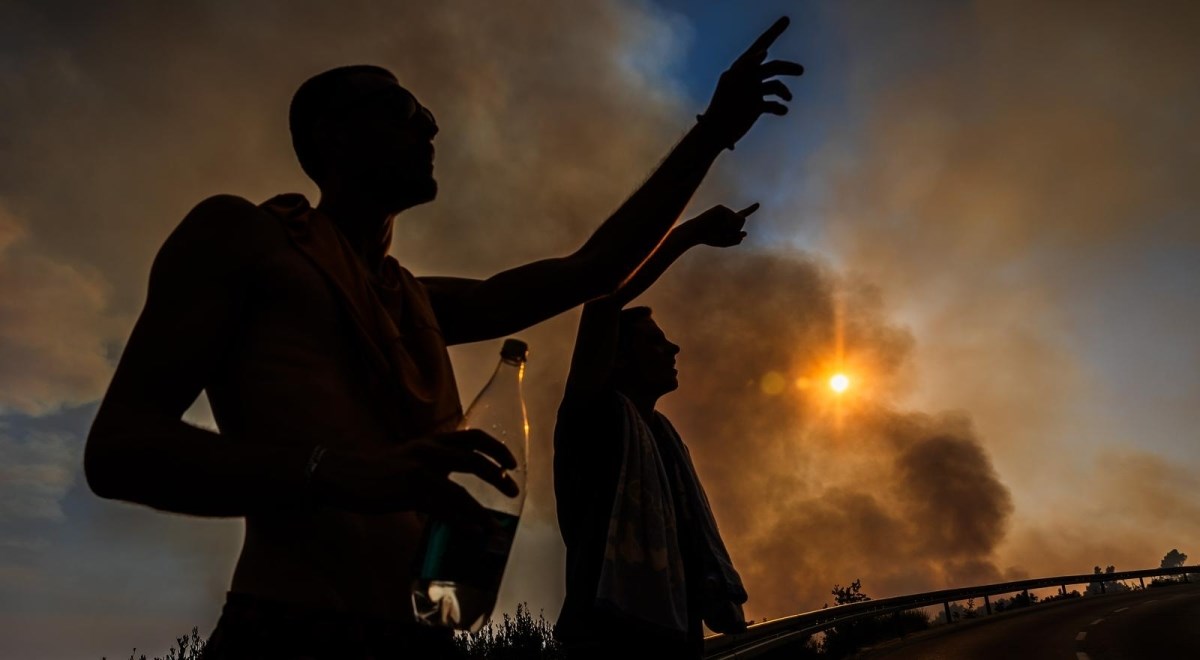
(508, 376)
(502, 389)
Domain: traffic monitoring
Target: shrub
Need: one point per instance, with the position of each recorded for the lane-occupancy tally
(844, 639)
(190, 647)
(516, 637)
(1168, 580)
(1074, 593)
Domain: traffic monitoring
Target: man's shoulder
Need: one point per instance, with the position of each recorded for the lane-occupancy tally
(221, 233)
(600, 401)
(221, 214)
(225, 225)
(592, 415)
(224, 208)
(588, 446)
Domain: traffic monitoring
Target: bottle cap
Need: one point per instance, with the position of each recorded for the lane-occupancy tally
(515, 349)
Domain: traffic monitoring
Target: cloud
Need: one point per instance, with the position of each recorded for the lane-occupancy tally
(116, 147)
(36, 471)
(54, 327)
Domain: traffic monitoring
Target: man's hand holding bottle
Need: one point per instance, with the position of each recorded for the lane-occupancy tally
(414, 476)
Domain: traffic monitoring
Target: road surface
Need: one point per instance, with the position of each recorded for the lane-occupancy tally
(1151, 624)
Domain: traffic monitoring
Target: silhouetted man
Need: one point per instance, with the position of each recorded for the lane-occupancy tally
(325, 364)
(645, 563)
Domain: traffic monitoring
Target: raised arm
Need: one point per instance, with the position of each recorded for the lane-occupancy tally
(140, 450)
(718, 227)
(473, 310)
(596, 339)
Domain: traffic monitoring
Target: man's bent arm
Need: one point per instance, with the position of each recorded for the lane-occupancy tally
(718, 227)
(139, 449)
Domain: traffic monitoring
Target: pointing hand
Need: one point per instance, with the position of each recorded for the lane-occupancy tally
(744, 91)
(719, 226)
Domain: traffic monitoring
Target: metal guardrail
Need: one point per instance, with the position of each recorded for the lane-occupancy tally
(760, 638)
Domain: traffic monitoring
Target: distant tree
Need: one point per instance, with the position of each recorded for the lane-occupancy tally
(1094, 588)
(1074, 593)
(1105, 586)
(957, 612)
(851, 593)
(846, 638)
(1023, 599)
(1174, 559)
(1005, 604)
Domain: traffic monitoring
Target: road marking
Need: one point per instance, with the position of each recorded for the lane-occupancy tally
(1097, 621)
(1080, 655)
(1080, 637)
(1120, 610)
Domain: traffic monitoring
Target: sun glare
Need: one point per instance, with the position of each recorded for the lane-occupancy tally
(839, 383)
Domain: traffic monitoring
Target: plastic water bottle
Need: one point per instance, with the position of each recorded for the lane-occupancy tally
(459, 575)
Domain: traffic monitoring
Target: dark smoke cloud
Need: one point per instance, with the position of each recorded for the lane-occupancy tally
(1005, 160)
(1006, 169)
(809, 488)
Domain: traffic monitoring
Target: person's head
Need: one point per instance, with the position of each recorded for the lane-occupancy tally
(645, 358)
(356, 131)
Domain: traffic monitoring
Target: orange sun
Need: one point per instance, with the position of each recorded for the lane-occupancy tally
(839, 383)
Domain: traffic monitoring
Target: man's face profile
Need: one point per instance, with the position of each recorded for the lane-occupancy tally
(649, 358)
(380, 143)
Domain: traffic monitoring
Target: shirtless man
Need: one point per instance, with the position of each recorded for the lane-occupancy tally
(325, 364)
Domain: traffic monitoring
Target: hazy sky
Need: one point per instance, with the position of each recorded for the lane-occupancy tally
(992, 204)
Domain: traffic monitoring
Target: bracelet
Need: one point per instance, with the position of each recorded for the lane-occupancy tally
(310, 469)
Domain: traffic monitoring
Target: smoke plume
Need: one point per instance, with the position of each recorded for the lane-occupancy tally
(812, 487)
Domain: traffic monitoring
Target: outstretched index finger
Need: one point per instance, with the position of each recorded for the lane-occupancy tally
(758, 49)
(749, 210)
